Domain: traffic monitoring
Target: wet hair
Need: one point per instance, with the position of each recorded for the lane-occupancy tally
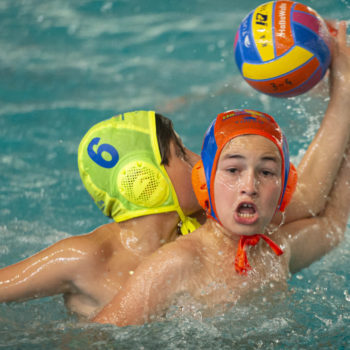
(166, 134)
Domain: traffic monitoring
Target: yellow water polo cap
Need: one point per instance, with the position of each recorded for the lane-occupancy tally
(120, 165)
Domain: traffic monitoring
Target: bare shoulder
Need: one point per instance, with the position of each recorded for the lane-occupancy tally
(183, 248)
(101, 233)
(166, 272)
(175, 258)
(91, 245)
(155, 282)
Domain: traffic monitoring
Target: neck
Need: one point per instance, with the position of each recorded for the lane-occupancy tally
(200, 216)
(146, 234)
(228, 242)
(225, 241)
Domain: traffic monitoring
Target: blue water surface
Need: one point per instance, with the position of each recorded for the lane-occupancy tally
(65, 65)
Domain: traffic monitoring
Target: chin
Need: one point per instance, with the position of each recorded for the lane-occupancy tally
(245, 230)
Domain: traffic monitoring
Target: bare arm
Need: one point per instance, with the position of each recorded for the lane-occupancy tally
(149, 290)
(310, 239)
(48, 272)
(319, 167)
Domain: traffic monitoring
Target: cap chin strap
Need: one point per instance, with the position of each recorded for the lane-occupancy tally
(188, 224)
(242, 265)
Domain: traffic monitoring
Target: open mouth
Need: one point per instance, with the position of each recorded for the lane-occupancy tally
(246, 213)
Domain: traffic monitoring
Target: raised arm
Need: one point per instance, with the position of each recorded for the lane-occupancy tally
(319, 167)
(310, 239)
(48, 272)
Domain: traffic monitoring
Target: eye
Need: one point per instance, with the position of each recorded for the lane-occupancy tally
(232, 170)
(267, 173)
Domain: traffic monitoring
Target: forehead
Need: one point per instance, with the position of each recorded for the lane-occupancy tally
(255, 145)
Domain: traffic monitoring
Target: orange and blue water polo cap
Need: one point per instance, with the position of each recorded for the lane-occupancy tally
(225, 127)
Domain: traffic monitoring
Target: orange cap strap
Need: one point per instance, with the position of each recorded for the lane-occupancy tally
(241, 261)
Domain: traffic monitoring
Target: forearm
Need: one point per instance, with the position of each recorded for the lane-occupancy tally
(319, 167)
(113, 313)
(129, 307)
(48, 272)
(310, 239)
(149, 291)
(337, 210)
(20, 282)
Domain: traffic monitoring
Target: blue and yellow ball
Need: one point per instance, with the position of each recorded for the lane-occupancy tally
(282, 48)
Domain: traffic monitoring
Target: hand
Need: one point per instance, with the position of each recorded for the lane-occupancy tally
(340, 65)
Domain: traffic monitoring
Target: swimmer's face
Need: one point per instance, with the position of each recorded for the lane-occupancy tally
(179, 170)
(247, 184)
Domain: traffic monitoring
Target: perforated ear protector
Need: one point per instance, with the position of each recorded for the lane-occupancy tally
(141, 183)
(224, 128)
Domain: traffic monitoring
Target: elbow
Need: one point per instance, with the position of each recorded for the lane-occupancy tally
(101, 319)
(337, 221)
(115, 321)
(106, 316)
(116, 318)
(336, 233)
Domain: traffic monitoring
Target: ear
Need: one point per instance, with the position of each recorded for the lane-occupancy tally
(290, 187)
(199, 185)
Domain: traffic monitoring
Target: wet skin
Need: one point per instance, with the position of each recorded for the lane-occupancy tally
(247, 184)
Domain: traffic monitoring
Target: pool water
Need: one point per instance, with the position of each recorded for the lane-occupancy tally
(65, 65)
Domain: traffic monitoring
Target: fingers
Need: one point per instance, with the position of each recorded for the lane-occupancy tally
(332, 27)
(341, 36)
(340, 52)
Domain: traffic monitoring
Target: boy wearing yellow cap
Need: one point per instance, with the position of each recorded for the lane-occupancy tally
(121, 167)
(127, 164)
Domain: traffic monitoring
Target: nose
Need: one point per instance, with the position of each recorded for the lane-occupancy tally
(249, 184)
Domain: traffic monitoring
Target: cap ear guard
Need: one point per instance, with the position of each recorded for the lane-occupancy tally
(290, 187)
(141, 183)
(199, 185)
